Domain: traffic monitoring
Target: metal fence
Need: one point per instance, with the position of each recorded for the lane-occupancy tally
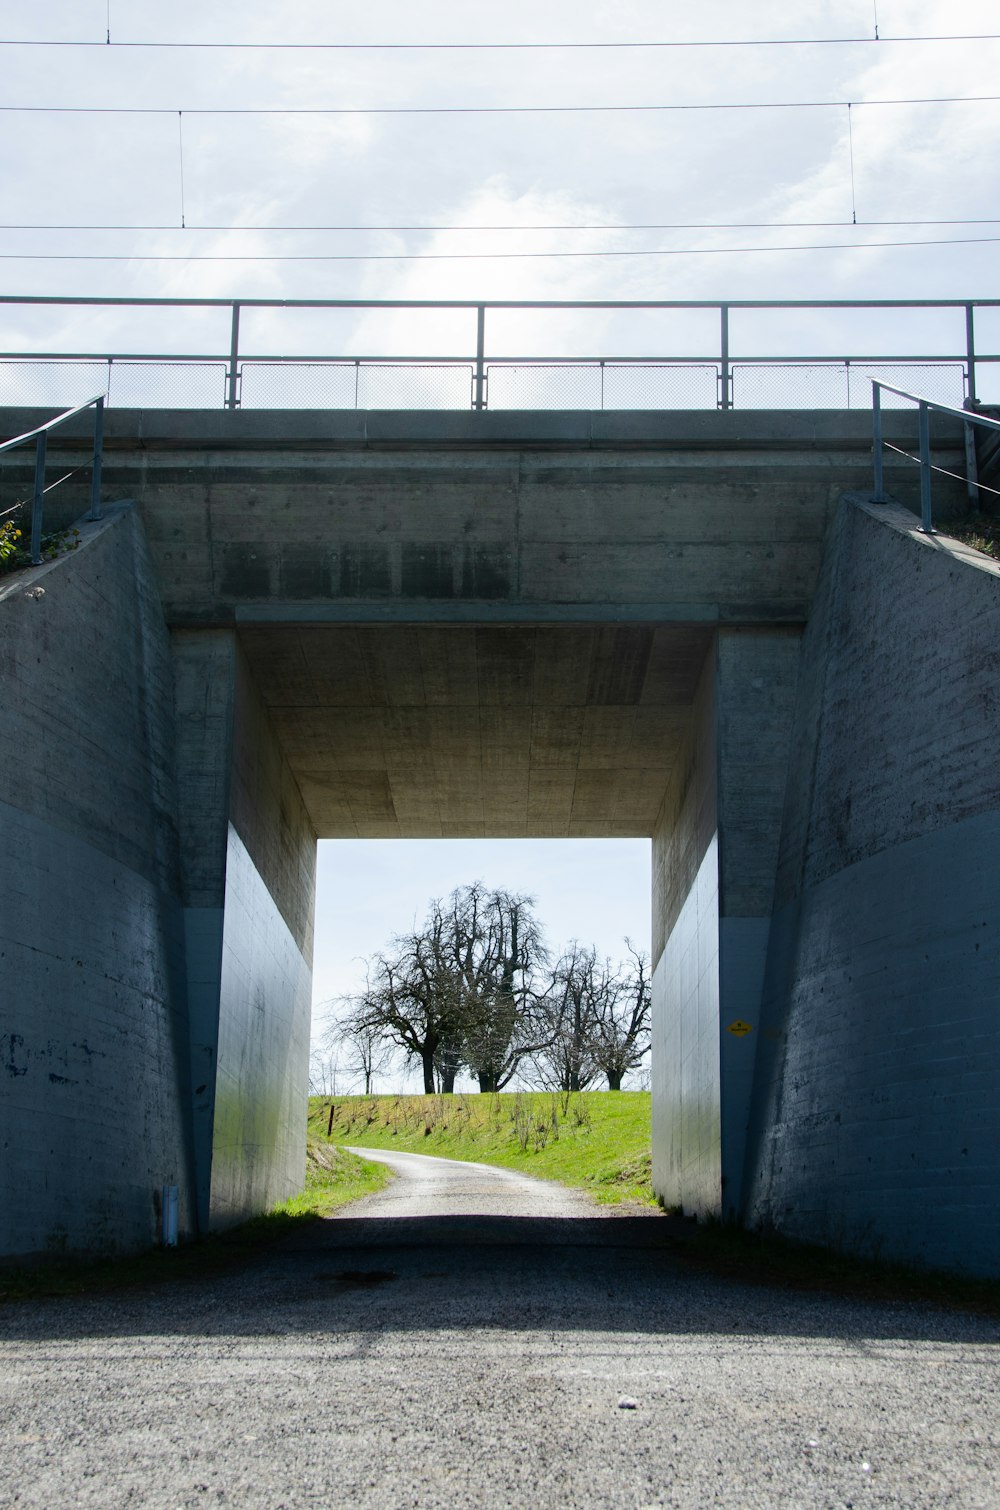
(722, 378)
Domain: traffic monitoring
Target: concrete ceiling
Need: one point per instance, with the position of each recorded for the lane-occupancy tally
(463, 731)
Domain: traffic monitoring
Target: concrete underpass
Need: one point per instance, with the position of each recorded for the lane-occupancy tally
(687, 627)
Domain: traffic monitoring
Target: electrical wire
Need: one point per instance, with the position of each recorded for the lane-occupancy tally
(338, 110)
(859, 41)
(668, 225)
(698, 251)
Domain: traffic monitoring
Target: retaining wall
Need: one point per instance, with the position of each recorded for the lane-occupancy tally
(877, 1117)
(93, 1027)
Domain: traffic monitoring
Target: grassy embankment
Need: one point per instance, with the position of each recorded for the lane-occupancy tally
(598, 1141)
(333, 1178)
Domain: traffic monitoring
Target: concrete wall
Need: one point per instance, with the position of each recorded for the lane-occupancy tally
(879, 1059)
(687, 1091)
(93, 1029)
(249, 867)
(715, 848)
(156, 895)
(495, 518)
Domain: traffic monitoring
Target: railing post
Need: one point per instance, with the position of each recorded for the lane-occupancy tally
(926, 522)
(724, 399)
(233, 376)
(970, 352)
(36, 502)
(878, 495)
(95, 478)
(479, 381)
(971, 461)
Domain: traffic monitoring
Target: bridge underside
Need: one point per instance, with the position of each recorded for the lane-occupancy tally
(459, 731)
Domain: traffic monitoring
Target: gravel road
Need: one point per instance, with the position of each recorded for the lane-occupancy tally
(470, 1337)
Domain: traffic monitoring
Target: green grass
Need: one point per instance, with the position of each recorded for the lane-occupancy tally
(981, 531)
(596, 1140)
(333, 1177)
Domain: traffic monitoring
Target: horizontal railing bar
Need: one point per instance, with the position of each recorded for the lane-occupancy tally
(8, 445)
(94, 300)
(968, 416)
(217, 359)
(113, 356)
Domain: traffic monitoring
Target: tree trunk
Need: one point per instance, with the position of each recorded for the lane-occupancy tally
(427, 1060)
(448, 1082)
(614, 1080)
(487, 1081)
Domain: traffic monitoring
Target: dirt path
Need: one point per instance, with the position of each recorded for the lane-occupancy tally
(470, 1338)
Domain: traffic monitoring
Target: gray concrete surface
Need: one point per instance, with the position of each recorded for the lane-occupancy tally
(95, 1106)
(402, 517)
(876, 1122)
(489, 1347)
(456, 731)
(249, 855)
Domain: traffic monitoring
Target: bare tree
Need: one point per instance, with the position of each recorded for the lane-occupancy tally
(459, 990)
(323, 1069)
(412, 995)
(497, 946)
(621, 1024)
(566, 1060)
(358, 1042)
(598, 1019)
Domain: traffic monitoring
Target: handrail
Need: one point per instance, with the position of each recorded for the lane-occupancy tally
(924, 405)
(40, 435)
(52, 424)
(725, 357)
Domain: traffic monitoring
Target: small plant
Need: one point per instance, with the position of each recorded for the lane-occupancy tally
(9, 536)
(14, 556)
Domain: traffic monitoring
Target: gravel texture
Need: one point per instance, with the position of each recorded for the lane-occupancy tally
(470, 1337)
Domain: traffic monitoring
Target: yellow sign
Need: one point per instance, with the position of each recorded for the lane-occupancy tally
(739, 1028)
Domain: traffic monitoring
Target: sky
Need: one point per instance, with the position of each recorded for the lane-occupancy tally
(842, 182)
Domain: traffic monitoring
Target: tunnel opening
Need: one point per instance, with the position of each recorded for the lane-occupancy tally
(571, 732)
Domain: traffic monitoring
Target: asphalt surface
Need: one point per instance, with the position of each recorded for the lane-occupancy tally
(470, 1337)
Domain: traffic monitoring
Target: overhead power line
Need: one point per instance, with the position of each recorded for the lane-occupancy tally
(337, 110)
(658, 44)
(696, 251)
(594, 226)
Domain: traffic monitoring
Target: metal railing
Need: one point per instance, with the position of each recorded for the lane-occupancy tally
(40, 436)
(923, 458)
(723, 376)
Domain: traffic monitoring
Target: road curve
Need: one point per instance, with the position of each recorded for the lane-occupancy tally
(432, 1187)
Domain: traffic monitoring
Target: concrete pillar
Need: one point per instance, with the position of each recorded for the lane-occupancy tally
(248, 866)
(715, 849)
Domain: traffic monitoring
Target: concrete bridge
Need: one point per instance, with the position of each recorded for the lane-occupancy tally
(686, 626)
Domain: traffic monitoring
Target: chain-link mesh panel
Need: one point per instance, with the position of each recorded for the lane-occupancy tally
(678, 385)
(386, 385)
(792, 385)
(542, 386)
(842, 385)
(944, 382)
(298, 385)
(167, 385)
(34, 383)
